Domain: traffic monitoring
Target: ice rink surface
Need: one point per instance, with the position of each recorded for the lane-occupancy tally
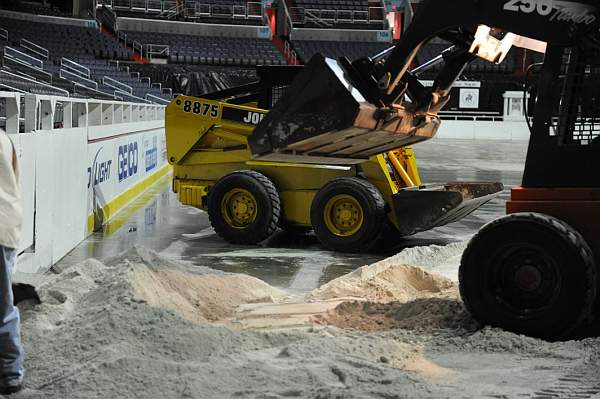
(157, 221)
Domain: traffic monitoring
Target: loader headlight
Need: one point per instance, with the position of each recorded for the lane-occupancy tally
(490, 48)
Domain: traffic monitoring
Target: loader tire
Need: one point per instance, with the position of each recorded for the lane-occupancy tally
(530, 274)
(348, 215)
(244, 207)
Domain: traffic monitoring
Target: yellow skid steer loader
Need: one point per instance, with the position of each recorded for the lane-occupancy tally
(349, 184)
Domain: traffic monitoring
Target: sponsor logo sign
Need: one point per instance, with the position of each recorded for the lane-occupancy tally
(128, 160)
(151, 153)
(99, 172)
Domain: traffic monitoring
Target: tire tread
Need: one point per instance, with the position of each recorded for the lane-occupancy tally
(275, 200)
(379, 210)
(575, 240)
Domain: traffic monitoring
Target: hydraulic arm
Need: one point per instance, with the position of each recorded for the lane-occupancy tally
(348, 111)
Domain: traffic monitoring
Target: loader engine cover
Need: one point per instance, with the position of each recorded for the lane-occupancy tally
(324, 118)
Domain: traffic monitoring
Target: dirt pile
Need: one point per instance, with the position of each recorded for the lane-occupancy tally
(199, 297)
(423, 315)
(432, 257)
(393, 295)
(385, 282)
(123, 328)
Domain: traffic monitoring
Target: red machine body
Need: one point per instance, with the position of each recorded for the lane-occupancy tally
(578, 207)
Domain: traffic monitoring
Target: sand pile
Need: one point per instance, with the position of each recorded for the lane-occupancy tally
(432, 257)
(393, 294)
(423, 315)
(200, 297)
(122, 326)
(137, 327)
(385, 282)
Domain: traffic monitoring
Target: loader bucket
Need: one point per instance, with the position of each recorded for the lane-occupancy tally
(324, 118)
(428, 207)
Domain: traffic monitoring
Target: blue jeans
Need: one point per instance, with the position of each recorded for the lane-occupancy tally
(11, 351)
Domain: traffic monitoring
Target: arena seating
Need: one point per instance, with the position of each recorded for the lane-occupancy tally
(37, 8)
(85, 46)
(65, 39)
(357, 14)
(433, 49)
(233, 12)
(10, 80)
(353, 50)
(196, 80)
(351, 5)
(208, 50)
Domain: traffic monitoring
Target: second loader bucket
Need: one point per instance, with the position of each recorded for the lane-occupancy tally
(324, 118)
(433, 206)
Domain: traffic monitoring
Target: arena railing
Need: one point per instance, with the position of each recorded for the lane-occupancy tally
(290, 53)
(130, 97)
(19, 55)
(139, 5)
(170, 9)
(92, 93)
(254, 9)
(77, 78)
(22, 116)
(156, 50)
(376, 14)
(122, 4)
(128, 43)
(325, 17)
(115, 84)
(154, 6)
(122, 37)
(35, 48)
(28, 84)
(75, 67)
(3, 34)
(156, 100)
(27, 69)
(168, 4)
(239, 12)
(202, 10)
(4, 86)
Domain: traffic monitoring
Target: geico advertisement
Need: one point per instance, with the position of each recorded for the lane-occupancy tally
(116, 164)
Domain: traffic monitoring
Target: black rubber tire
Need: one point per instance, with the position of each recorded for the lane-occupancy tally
(372, 203)
(554, 295)
(268, 207)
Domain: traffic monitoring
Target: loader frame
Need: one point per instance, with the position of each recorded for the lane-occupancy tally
(207, 138)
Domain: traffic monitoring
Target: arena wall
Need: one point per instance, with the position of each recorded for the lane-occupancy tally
(78, 173)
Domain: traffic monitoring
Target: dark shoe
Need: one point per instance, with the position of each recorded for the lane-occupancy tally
(10, 387)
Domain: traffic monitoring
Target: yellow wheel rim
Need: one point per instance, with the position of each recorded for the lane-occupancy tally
(343, 215)
(239, 208)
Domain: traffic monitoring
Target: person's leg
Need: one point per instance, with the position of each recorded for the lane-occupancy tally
(11, 351)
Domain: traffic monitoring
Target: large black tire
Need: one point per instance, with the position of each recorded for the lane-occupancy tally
(372, 206)
(530, 274)
(264, 218)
